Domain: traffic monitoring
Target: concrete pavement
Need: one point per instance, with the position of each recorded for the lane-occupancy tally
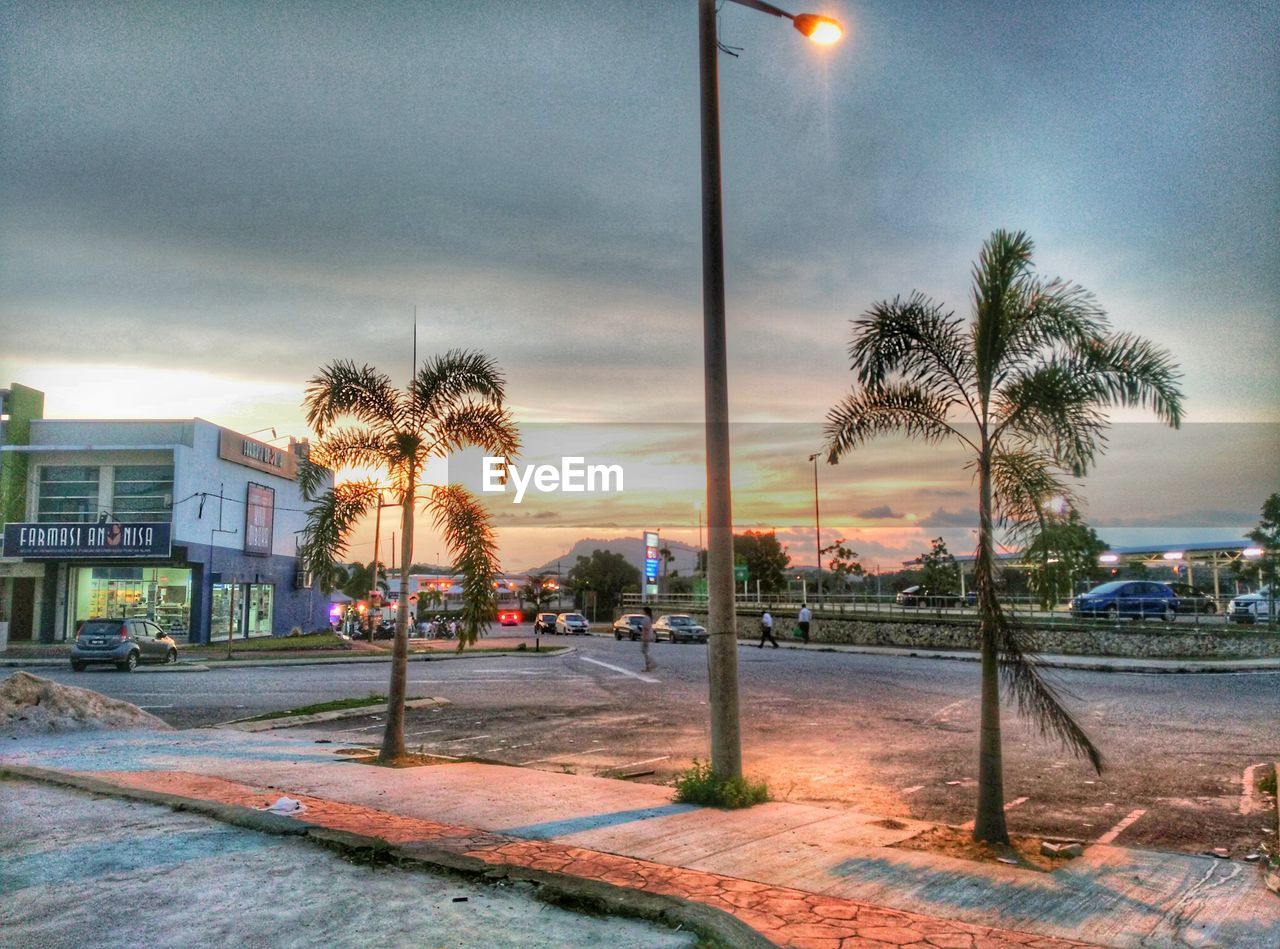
(797, 875)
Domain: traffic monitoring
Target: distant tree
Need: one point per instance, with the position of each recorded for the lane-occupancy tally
(1267, 537)
(667, 557)
(679, 584)
(356, 580)
(1062, 551)
(766, 559)
(842, 565)
(538, 591)
(607, 575)
(940, 573)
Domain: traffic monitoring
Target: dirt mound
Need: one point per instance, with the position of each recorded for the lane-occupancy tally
(30, 705)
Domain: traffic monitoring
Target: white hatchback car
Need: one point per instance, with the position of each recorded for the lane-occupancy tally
(1252, 607)
(573, 624)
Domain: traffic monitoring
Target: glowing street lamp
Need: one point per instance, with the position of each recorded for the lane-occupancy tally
(722, 645)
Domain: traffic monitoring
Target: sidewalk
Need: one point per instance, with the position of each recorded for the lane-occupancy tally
(796, 875)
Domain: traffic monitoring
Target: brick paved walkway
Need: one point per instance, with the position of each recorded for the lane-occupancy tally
(785, 916)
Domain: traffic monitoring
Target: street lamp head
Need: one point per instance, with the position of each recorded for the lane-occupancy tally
(820, 29)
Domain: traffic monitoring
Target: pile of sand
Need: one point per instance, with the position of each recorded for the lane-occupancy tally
(31, 705)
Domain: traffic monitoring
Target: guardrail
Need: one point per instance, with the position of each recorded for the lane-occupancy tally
(885, 606)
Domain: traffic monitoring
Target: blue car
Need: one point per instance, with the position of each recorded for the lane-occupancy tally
(1137, 599)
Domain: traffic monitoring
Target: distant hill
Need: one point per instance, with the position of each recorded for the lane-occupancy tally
(630, 547)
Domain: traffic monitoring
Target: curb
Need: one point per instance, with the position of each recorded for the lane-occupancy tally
(715, 927)
(270, 724)
(1082, 663)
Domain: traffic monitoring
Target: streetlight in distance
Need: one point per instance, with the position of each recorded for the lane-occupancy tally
(722, 648)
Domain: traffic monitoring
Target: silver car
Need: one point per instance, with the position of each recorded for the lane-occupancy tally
(573, 624)
(122, 642)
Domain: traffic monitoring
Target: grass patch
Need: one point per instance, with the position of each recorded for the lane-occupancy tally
(700, 785)
(337, 705)
(1267, 783)
(275, 644)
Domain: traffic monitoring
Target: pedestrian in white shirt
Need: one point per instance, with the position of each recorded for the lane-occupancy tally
(803, 621)
(766, 629)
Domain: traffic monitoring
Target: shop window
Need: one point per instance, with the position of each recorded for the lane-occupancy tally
(160, 594)
(142, 492)
(68, 493)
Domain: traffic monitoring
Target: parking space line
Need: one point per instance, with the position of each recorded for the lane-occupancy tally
(450, 741)
(632, 764)
(576, 754)
(625, 672)
(1115, 831)
(968, 825)
(918, 787)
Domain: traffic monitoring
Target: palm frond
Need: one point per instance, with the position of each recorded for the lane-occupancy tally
(443, 381)
(329, 523)
(468, 532)
(1037, 698)
(893, 407)
(313, 476)
(1023, 481)
(1054, 404)
(1051, 315)
(1132, 371)
(470, 424)
(355, 448)
(341, 389)
(915, 340)
(1000, 277)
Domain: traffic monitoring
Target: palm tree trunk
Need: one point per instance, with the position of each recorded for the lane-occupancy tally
(393, 737)
(989, 823)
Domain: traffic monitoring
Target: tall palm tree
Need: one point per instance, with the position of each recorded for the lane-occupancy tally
(1023, 388)
(362, 421)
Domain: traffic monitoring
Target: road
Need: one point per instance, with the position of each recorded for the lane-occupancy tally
(889, 735)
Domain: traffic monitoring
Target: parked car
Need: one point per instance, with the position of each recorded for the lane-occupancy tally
(509, 617)
(121, 642)
(679, 628)
(628, 625)
(919, 596)
(1137, 599)
(572, 624)
(544, 623)
(1191, 600)
(1252, 607)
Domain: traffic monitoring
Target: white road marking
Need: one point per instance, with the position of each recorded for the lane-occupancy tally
(1247, 804)
(450, 741)
(625, 672)
(968, 825)
(172, 706)
(912, 790)
(1115, 831)
(634, 763)
(944, 710)
(576, 754)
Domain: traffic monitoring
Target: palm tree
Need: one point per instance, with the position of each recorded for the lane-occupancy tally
(453, 402)
(1023, 388)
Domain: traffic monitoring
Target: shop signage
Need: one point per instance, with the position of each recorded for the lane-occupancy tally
(259, 514)
(52, 541)
(651, 562)
(252, 453)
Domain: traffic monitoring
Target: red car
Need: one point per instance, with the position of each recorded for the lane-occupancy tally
(509, 617)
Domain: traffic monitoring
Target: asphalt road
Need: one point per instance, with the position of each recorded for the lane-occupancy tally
(889, 735)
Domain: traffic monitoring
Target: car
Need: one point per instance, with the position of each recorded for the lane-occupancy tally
(572, 624)
(1191, 600)
(121, 642)
(919, 596)
(1137, 599)
(679, 628)
(509, 617)
(544, 623)
(628, 624)
(1252, 607)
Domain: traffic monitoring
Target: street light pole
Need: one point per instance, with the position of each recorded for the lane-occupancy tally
(817, 523)
(722, 645)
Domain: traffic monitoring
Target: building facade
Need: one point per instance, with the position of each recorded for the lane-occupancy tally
(182, 522)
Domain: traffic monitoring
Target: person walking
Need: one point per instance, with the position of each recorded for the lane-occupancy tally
(766, 629)
(646, 637)
(803, 621)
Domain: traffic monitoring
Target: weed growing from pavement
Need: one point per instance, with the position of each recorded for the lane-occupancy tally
(698, 784)
(336, 705)
(1267, 783)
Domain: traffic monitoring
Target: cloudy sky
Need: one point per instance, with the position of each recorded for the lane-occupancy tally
(201, 203)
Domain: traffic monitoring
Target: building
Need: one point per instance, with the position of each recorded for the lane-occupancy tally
(183, 522)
